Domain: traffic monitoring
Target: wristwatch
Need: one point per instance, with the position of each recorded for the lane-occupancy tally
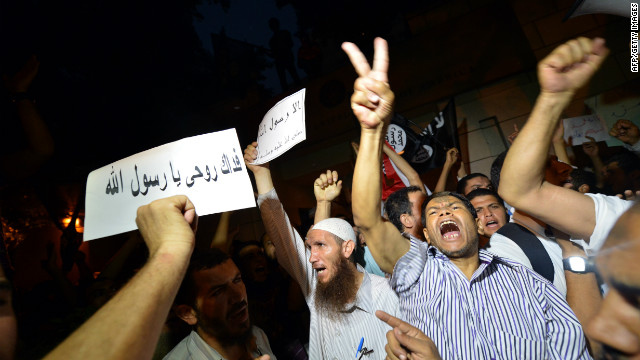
(579, 264)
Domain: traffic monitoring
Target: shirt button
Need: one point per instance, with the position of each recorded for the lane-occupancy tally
(338, 333)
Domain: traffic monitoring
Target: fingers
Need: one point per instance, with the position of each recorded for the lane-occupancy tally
(581, 50)
(393, 347)
(327, 179)
(390, 320)
(189, 213)
(251, 153)
(358, 60)
(380, 60)
(168, 220)
(515, 127)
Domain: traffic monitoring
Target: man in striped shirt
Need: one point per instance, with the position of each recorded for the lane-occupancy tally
(472, 304)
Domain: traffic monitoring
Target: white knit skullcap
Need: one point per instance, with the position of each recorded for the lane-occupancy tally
(337, 227)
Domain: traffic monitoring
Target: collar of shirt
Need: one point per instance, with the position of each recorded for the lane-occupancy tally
(486, 258)
(363, 296)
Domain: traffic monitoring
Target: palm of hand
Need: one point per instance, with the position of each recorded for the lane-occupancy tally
(329, 193)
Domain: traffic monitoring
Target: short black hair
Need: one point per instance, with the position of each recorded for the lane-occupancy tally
(440, 194)
(581, 177)
(398, 203)
(200, 260)
(496, 168)
(462, 183)
(483, 192)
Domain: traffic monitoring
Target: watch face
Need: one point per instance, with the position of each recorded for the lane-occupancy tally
(577, 263)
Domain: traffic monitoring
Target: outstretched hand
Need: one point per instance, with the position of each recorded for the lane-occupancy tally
(406, 341)
(327, 187)
(372, 100)
(250, 155)
(571, 65)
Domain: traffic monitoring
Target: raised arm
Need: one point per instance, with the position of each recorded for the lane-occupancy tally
(221, 239)
(404, 167)
(452, 157)
(129, 325)
(326, 188)
(372, 103)
(290, 249)
(593, 152)
(559, 146)
(522, 183)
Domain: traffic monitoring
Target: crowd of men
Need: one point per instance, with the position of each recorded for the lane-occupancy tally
(530, 268)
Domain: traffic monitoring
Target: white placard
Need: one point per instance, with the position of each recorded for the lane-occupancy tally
(281, 128)
(207, 168)
(613, 106)
(578, 128)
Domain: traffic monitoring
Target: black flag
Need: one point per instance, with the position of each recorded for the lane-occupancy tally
(428, 150)
(438, 137)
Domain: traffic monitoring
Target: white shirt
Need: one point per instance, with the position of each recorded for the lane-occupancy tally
(330, 339)
(508, 249)
(194, 348)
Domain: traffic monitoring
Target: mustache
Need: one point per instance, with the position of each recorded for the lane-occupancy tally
(237, 307)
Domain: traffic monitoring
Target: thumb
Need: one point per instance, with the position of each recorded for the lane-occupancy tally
(263, 357)
(408, 342)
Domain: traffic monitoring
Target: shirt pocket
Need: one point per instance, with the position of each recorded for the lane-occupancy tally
(515, 347)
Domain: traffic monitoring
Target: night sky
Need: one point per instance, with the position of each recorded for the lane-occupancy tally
(120, 77)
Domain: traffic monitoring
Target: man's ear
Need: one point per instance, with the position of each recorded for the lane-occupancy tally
(407, 221)
(584, 188)
(186, 313)
(426, 235)
(480, 227)
(347, 248)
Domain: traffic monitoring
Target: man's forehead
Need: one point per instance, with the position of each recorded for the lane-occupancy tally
(478, 180)
(443, 201)
(315, 234)
(218, 274)
(485, 200)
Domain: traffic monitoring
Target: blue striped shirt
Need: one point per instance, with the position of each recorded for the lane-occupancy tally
(505, 311)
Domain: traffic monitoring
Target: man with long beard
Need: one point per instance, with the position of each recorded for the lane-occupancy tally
(213, 299)
(342, 298)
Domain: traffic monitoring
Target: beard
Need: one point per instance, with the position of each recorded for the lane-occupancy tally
(331, 298)
(220, 331)
(469, 248)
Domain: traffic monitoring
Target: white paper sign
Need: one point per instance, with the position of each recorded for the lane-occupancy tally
(207, 168)
(281, 128)
(578, 128)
